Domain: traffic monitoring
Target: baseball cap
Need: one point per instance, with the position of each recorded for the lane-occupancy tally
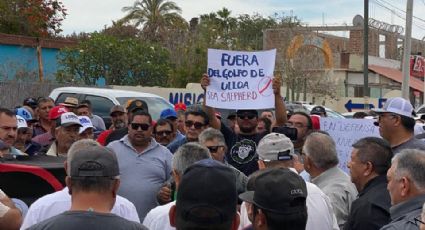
(24, 113)
(21, 122)
(210, 186)
(117, 108)
(275, 147)
(245, 111)
(168, 113)
(94, 161)
(315, 121)
(398, 106)
(31, 102)
(231, 115)
(318, 110)
(278, 190)
(85, 123)
(70, 102)
(56, 111)
(68, 119)
(180, 106)
(137, 104)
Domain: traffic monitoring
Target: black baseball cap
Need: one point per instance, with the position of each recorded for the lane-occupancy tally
(318, 110)
(137, 105)
(31, 102)
(95, 161)
(207, 186)
(278, 190)
(247, 111)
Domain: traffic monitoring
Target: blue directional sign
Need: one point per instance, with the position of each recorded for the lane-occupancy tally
(350, 106)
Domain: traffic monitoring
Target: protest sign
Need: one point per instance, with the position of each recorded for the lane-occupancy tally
(345, 132)
(241, 80)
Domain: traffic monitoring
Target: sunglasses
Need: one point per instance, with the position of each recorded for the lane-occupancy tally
(214, 149)
(163, 133)
(136, 126)
(197, 125)
(249, 116)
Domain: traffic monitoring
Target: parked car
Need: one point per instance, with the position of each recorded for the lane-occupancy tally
(295, 106)
(103, 99)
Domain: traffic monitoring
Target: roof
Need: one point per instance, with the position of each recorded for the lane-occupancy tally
(103, 92)
(397, 75)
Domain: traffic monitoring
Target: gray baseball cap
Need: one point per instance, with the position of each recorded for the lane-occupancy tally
(275, 147)
(96, 161)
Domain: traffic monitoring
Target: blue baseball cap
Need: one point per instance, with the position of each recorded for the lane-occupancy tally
(168, 113)
(24, 113)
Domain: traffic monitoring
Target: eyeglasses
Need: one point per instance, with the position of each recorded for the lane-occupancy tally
(197, 125)
(136, 126)
(249, 116)
(214, 149)
(163, 133)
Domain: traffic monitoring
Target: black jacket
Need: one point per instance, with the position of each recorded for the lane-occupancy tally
(371, 210)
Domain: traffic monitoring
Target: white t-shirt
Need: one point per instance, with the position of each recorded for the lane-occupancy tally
(60, 201)
(319, 211)
(157, 218)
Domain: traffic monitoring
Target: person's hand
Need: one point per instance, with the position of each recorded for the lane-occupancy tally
(164, 194)
(205, 81)
(277, 82)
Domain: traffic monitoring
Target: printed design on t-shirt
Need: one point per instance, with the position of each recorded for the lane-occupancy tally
(243, 152)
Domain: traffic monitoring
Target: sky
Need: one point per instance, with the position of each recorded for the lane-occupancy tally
(94, 15)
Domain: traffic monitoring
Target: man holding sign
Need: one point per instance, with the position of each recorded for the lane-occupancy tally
(243, 81)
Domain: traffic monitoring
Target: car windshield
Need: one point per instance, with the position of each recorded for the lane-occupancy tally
(155, 104)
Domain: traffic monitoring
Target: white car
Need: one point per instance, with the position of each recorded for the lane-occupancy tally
(307, 108)
(103, 99)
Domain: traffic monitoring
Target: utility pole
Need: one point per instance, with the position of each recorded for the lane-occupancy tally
(407, 51)
(366, 55)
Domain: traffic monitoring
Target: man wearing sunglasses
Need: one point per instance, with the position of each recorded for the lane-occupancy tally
(242, 146)
(163, 131)
(396, 125)
(145, 165)
(196, 121)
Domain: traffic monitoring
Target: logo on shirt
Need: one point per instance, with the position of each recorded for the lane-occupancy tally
(243, 152)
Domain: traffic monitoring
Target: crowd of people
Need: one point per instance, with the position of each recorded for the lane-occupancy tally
(194, 169)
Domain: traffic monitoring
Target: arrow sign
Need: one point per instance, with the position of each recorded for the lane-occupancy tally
(350, 106)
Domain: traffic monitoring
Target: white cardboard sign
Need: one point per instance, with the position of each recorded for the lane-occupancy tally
(240, 80)
(345, 132)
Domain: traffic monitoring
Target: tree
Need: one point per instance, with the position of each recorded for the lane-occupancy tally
(40, 18)
(156, 17)
(118, 61)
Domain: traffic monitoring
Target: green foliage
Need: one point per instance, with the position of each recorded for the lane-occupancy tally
(156, 18)
(39, 18)
(120, 62)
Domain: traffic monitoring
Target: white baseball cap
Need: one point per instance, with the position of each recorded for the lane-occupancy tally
(68, 119)
(398, 106)
(21, 122)
(85, 122)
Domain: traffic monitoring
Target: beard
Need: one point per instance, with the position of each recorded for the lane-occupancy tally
(119, 124)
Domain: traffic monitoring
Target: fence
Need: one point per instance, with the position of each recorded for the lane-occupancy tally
(13, 93)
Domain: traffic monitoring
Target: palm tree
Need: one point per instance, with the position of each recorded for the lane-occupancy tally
(156, 17)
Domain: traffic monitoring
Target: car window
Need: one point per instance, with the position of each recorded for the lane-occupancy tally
(101, 106)
(155, 104)
(61, 98)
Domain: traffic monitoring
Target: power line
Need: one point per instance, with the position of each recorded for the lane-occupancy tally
(377, 2)
(403, 11)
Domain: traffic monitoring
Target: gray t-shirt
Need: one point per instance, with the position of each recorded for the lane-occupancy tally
(413, 143)
(86, 220)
